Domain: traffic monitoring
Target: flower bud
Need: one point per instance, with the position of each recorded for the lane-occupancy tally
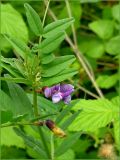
(56, 130)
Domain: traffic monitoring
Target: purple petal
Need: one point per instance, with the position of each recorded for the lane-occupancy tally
(66, 89)
(67, 99)
(47, 92)
(55, 89)
(56, 97)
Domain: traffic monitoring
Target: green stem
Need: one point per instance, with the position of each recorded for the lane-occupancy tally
(16, 123)
(35, 103)
(52, 146)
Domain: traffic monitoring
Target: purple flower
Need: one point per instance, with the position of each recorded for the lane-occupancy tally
(59, 92)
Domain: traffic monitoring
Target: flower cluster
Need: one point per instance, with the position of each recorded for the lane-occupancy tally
(59, 92)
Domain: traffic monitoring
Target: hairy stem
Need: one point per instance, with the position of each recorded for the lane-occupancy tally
(35, 103)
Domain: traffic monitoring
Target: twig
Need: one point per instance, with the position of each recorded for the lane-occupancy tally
(79, 56)
(85, 90)
(72, 26)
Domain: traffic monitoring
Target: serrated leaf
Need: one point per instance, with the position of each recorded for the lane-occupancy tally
(57, 26)
(69, 154)
(113, 46)
(117, 133)
(95, 114)
(67, 143)
(33, 20)
(58, 65)
(69, 120)
(9, 138)
(116, 12)
(21, 48)
(100, 27)
(50, 44)
(107, 81)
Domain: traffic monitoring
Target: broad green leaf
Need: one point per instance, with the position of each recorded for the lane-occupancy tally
(63, 113)
(31, 142)
(58, 65)
(57, 26)
(117, 133)
(103, 28)
(107, 81)
(6, 116)
(67, 143)
(12, 153)
(69, 120)
(95, 114)
(20, 99)
(113, 46)
(50, 44)
(47, 59)
(6, 102)
(12, 24)
(58, 78)
(9, 138)
(33, 20)
(69, 154)
(21, 48)
(116, 12)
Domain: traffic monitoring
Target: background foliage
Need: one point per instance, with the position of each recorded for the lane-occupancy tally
(90, 118)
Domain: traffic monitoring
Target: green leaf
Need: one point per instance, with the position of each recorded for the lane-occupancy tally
(33, 20)
(50, 44)
(107, 81)
(70, 120)
(59, 77)
(58, 65)
(95, 114)
(57, 26)
(113, 46)
(116, 12)
(103, 28)
(20, 99)
(31, 142)
(45, 104)
(67, 143)
(47, 59)
(21, 48)
(117, 133)
(69, 154)
(9, 138)
(12, 23)
(6, 116)
(15, 80)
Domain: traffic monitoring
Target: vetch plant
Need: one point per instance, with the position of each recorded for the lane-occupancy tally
(37, 111)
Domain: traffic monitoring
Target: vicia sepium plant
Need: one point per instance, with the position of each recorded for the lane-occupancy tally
(37, 67)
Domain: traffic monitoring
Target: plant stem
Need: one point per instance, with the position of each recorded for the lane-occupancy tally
(35, 103)
(52, 146)
(72, 26)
